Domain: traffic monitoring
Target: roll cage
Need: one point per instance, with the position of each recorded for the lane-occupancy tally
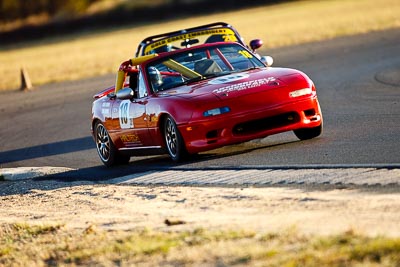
(188, 36)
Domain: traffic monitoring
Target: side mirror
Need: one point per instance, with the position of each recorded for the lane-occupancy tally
(267, 60)
(125, 93)
(255, 44)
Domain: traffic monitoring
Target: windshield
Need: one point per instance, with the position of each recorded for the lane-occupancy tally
(198, 64)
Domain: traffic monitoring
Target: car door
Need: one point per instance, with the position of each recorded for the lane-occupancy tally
(130, 120)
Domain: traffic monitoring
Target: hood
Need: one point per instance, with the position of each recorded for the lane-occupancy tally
(240, 84)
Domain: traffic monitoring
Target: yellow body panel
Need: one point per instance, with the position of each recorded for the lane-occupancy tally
(121, 74)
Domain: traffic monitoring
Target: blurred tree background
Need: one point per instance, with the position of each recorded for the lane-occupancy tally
(22, 20)
(11, 10)
(21, 9)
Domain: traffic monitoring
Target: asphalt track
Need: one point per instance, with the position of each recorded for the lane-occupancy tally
(358, 83)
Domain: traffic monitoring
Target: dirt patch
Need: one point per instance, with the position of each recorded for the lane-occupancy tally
(311, 210)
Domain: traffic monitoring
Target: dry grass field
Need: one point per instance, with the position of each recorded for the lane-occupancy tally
(74, 224)
(89, 54)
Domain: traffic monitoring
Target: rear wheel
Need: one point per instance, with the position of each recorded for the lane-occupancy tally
(308, 133)
(173, 140)
(106, 149)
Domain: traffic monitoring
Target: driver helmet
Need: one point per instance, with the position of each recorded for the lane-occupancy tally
(155, 76)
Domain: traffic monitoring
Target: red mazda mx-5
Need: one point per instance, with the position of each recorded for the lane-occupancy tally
(198, 98)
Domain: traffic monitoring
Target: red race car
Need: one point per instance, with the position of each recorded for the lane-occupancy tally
(198, 98)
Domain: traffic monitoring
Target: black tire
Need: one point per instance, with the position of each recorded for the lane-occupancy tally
(106, 149)
(173, 140)
(308, 133)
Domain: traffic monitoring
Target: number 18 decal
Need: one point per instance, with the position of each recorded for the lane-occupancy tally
(125, 120)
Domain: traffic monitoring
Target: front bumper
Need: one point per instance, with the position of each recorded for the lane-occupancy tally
(227, 129)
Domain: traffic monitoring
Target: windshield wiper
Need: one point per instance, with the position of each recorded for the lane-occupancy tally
(253, 68)
(212, 75)
(218, 74)
(193, 80)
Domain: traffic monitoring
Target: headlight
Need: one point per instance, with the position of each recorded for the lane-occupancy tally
(216, 111)
(300, 92)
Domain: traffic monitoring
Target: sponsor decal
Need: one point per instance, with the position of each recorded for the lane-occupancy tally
(106, 112)
(244, 85)
(229, 36)
(125, 119)
(105, 109)
(130, 138)
(228, 78)
(153, 118)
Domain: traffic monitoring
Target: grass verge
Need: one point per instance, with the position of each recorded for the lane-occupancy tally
(99, 52)
(55, 245)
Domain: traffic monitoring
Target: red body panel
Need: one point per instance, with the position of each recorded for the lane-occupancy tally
(219, 132)
(186, 105)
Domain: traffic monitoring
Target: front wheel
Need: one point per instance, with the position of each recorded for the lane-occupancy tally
(308, 133)
(173, 140)
(106, 149)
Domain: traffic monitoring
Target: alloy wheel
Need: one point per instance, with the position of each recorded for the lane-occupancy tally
(103, 142)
